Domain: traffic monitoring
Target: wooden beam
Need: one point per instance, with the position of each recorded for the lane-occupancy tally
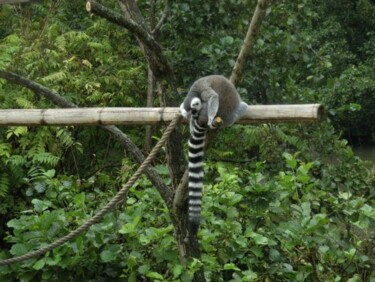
(13, 1)
(142, 116)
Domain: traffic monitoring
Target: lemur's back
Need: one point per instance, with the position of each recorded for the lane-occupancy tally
(229, 99)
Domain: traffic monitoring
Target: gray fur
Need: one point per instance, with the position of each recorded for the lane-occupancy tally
(219, 99)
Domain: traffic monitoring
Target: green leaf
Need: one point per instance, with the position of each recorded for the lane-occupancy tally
(50, 173)
(130, 227)
(39, 264)
(368, 211)
(107, 256)
(177, 270)
(258, 251)
(110, 253)
(306, 209)
(234, 198)
(132, 277)
(231, 266)
(258, 238)
(162, 169)
(40, 206)
(154, 275)
(290, 160)
(40, 187)
(345, 195)
(16, 224)
(249, 276)
(80, 244)
(355, 278)
(316, 222)
(274, 255)
(232, 213)
(143, 269)
(19, 249)
(53, 261)
(79, 199)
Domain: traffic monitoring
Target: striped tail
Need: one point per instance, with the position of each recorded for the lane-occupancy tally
(196, 172)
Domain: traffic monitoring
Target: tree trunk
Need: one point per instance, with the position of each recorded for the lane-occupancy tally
(188, 246)
(151, 83)
(149, 103)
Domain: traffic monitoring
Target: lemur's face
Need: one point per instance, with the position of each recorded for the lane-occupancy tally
(193, 108)
(195, 105)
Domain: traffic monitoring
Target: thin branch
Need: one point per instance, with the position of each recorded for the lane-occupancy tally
(163, 18)
(110, 15)
(38, 89)
(160, 65)
(256, 21)
(158, 182)
(152, 15)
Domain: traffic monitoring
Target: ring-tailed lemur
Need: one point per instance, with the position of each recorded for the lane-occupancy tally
(209, 97)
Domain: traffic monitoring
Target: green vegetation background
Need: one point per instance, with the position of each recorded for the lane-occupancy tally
(281, 202)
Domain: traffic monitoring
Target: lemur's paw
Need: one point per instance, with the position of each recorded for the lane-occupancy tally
(214, 124)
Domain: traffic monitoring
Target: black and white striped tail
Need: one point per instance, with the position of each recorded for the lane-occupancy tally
(196, 172)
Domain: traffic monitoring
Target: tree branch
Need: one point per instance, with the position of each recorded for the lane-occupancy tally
(160, 65)
(104, 12)
(162, 20)
(38, 89)
(256, 21)
(158, 182)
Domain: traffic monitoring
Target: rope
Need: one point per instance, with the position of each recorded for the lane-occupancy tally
(115, 200)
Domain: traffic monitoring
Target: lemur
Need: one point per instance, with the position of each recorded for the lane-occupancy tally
(209, 97)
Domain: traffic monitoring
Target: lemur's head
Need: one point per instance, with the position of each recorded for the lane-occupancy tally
(195, 106)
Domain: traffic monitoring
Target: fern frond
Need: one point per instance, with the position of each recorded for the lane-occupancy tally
(16, 160)
(4, 184)
(8, 47)
(54, 77)
(24, 103)
(61, 43)
(16, 131)
(76, 36)
(36, 173)
(39, 142)
(5, 150)
(46, 159)
(65, 137)
(96, 45)
(289, 139)
(67, 140)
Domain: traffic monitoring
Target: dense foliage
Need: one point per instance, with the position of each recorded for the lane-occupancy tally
(285, 203)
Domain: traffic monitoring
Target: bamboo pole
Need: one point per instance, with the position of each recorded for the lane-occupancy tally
(142, 116)
(13, 1)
